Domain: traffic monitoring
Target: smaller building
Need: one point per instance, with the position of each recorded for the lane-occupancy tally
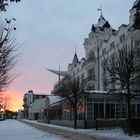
(44, 112)
(92, 106)
(29, 98)
(33, 108)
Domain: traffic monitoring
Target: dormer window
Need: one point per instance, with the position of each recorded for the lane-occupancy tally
(122, 37)
(137, 43)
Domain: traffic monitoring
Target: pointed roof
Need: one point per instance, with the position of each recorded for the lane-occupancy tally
(102, 22)
(136, 3)
(59, 72)
(75, 59)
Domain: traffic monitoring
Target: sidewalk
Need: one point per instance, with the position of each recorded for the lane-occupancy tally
(81, 134)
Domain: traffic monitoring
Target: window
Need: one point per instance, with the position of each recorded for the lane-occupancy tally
(82, 77)
(91, 74)
(122, 37)
(89, 111)
(133, 111)
(112, 45)
(78, 70)
(137, 43)
(73, 74)
(104, 51)
(98, 110)
(138, 110)
(110, 111)
(138, 53)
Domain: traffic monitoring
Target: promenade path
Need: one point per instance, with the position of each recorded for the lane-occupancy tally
(68, 133)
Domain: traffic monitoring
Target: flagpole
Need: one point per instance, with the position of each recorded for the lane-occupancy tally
(100, 9)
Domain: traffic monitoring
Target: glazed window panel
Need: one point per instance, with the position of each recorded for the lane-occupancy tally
(98, 111)
(138, 110)
(133, 111)
(110, 110)
(89, 99)
(91, 74)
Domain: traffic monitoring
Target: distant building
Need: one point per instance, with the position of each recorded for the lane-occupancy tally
(2, 115)
(28, 99)
(20, 114)
(33, 108)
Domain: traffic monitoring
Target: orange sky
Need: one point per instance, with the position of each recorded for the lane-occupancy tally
(20, 86)
(16, 99)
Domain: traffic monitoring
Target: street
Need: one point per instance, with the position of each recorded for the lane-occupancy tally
(31, 130)
(11, 129)
(15, 130)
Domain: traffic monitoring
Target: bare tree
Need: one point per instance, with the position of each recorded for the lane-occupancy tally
(70, 88)
(4, 3)
(122, 74)
(5, 101)
(8, 57)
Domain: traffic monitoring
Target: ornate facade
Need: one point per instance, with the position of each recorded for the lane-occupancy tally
(100, 43)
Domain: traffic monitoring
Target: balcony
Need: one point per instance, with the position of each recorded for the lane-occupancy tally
(89, 82)
(89, 60)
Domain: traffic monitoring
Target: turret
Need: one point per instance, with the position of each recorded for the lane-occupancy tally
(135, 15)
(75, 60)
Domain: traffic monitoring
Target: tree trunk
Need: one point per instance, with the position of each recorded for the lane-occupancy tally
(75, 117)
(129, 112)
(75, 112)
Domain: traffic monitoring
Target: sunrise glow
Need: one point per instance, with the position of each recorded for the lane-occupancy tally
(16, 100)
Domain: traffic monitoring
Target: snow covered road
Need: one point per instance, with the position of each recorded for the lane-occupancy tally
(15, 130)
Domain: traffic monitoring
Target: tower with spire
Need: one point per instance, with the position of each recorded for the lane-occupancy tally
(101, 39)
(75, 60)
(98, 34)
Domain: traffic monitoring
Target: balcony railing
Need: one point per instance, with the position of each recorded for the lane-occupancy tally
(89, 60)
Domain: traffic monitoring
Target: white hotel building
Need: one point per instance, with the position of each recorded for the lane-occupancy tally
(100, 42)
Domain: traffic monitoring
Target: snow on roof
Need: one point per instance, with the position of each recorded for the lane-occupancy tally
(53, 99)
(38, 103)
(96, 91)
(40, 94)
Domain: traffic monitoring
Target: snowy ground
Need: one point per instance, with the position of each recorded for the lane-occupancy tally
(114, 133)
(15, 130)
